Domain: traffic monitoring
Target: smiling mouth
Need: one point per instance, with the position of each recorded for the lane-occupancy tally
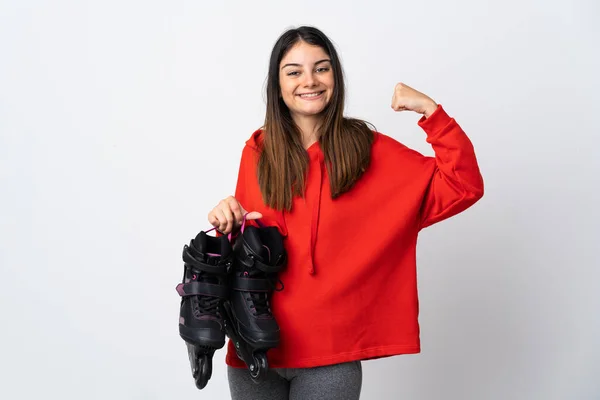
(310, 95)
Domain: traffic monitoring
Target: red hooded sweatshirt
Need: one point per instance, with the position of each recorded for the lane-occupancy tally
(350, 281)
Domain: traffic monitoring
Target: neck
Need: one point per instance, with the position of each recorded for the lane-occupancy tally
(308, 128)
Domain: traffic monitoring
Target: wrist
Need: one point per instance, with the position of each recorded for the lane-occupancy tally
(430, 109)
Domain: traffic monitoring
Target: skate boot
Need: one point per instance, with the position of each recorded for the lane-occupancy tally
(207, 261)
(259, 256)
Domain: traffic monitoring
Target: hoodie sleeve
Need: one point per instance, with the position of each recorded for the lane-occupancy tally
(456, 182)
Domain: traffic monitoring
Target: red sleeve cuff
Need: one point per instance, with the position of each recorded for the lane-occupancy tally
(437, 120)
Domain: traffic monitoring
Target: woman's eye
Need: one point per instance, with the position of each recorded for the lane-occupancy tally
(323, 69)
(293, 73)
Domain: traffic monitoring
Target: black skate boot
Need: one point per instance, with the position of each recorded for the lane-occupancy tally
(207, 261)
(259, 256)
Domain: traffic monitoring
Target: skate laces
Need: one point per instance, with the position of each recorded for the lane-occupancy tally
(261, 301)
(207, 305)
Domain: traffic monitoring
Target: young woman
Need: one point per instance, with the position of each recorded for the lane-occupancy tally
(349, 202)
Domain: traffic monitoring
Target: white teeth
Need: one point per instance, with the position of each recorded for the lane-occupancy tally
(310, 94)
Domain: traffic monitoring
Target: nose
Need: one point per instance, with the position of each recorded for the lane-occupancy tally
(310, 80)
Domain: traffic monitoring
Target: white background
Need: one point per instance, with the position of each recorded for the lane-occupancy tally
(122, 124)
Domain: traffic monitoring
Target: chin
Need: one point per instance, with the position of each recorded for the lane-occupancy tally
(313, 110)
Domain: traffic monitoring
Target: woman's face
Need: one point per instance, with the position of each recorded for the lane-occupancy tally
(306, 79)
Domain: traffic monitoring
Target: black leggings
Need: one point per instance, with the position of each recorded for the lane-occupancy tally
(332, 382)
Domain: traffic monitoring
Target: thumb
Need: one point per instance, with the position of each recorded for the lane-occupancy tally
(254, 215)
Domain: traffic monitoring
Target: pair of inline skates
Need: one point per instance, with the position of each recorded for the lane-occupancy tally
(226, 290)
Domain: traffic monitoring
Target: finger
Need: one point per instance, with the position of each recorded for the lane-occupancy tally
(228, 216)
(212, 219)
(221, 218)
(397, 102)
(236, 209)
(225, 217)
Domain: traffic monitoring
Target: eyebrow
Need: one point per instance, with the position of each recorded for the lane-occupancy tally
(299, 65)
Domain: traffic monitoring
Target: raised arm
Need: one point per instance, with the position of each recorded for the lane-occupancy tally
(456, 182)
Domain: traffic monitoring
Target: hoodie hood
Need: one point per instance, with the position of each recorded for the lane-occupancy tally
(255, 141)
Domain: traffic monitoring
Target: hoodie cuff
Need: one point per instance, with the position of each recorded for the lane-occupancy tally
(436, 121)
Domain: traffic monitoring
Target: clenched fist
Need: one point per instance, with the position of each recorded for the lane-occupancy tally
(408, 99)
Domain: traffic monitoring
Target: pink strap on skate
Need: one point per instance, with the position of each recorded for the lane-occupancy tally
(229, 236)
(215, 228)
(244, 223)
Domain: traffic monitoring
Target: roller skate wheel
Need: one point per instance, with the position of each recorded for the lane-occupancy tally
(204, 370)
(259, 367)
(194, 356)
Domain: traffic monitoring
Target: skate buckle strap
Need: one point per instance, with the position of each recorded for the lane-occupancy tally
(202, 288)
(189, 258)
(265, 267)
(251, 284)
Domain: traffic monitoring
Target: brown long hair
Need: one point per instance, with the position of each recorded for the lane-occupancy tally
(346, 142)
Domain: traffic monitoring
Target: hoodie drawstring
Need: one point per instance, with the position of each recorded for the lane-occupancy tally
(316, 207)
